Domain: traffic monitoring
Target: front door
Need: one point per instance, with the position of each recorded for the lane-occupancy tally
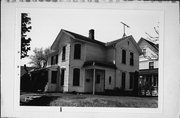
(99, 80)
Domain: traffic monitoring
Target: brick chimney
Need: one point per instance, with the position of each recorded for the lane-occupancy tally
(91, 34)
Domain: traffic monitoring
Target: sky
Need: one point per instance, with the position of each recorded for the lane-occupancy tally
(47, 23)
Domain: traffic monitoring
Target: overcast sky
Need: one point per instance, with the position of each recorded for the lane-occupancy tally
(47, 23)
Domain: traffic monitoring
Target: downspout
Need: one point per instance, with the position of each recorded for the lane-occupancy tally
(94, 72)
(115, 65)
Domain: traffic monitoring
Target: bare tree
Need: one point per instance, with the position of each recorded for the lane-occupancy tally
(40, 57)
(153, 38)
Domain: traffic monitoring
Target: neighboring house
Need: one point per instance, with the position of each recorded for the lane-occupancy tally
(148, 67)
(83, 64)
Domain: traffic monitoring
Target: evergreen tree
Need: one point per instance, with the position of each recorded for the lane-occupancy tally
(25, 41)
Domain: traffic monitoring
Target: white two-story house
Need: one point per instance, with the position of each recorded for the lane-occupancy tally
(148, 66)
(83, 64)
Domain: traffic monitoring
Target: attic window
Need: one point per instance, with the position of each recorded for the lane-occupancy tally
(144, 51)
(151, 65)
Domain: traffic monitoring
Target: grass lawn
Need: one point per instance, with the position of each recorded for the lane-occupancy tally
(86, 100)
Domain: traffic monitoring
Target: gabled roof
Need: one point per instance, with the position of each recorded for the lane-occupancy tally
(122, 39)
(87, 39)
(116, 41)
(156, 46)
(84, 38)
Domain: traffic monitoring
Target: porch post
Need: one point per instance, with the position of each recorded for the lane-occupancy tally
(94, 81)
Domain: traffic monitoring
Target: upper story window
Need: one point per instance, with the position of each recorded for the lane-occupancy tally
(77, 51)
(64, 53)
(54, 59)
(131, 58)
(151, 65)
(57, 59)
(76, 77)
(123, 56)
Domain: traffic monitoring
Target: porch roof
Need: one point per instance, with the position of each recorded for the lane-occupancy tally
(98, 63)
(44, 69)
(148, 71)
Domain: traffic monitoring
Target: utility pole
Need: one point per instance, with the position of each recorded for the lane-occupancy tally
(125, 25)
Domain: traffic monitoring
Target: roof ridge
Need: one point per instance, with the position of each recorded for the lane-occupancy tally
(84, 37)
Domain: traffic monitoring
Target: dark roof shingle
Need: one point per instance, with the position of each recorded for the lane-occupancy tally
(84, 38)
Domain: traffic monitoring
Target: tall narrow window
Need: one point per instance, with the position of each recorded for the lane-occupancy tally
(144, 51)
(124, 56)
(77, 51)
(62, 76)
(52, 59)
(57, 59)
(64, 53)
(123, 80)
(131, 59)
(54, 77)
(76, 77)
(109, 79)
(131, 80)
(151, 65)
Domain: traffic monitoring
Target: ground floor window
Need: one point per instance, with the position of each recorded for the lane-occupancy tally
(131, 80)
(54, 77)
(109, 79)
(76, 77)
(123, 80)
(62, 76)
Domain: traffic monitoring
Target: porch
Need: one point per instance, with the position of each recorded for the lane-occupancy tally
(95, 76)
(148, 82)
